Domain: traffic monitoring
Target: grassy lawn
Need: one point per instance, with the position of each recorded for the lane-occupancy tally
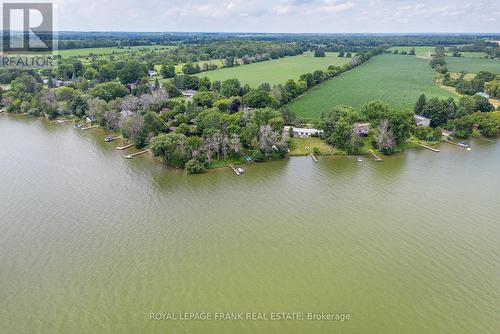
(278, 70)
(472, 65)
(305, 146)
(395, 79)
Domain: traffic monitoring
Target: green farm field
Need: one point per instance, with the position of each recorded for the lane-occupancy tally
(276, 71)
(178, 67)
(422, 51)
(472, 65)
(106, 51)
(395, 79)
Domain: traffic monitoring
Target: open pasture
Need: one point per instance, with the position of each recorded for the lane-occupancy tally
(278, 70)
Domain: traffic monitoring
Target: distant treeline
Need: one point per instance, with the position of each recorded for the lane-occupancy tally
(332, 42)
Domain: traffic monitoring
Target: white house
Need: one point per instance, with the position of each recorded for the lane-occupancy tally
(152, 73)
(483, 95)
(422, 121)
(303, 132)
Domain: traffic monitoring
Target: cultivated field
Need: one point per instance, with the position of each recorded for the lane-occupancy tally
(276, 71)
(471, 65)
(422, 51)
(397, 80)
(178, 67)
(419, 50)
(106, 51)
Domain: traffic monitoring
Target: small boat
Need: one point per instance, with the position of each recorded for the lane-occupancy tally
(463, 144)
(241, 170)
(108, 139)
(77, 126)
(359, 160)
(248, 158)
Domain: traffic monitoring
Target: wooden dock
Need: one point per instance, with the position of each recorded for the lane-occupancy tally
(452, 143)
(428, 147)
(90, 127)
(314, 158)
(59, 121)
(121, 148)
(375, 157)
(130, 156)
(235, 170)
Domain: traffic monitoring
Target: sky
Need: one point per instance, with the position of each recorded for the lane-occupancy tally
(296, 16)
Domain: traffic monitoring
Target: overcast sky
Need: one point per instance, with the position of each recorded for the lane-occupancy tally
(280, 15)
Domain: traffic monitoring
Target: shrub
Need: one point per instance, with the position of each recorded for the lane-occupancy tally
(193, 166)
(422, 132)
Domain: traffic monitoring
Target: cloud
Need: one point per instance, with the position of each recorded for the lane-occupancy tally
(280, 15)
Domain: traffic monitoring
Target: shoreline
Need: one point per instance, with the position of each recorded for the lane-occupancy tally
(411, 144)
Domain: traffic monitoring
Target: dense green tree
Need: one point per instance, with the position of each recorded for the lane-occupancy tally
(257, 99)
(131, 71)
(230, 87)
(167, 70)
(205, 98)
(419, 106)
(438, 111)
(109, 91)
(172, 148)
(375, 111)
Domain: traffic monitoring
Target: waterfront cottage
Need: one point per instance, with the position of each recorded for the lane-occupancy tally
(447, 133)
(422, 121)
(189, 93)
(362, 129)
(303, 132)
(152, 73)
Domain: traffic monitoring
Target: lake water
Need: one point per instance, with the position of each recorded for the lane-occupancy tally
(93, 243)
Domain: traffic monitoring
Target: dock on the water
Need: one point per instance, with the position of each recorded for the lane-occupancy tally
(90, 127)
(121, 148)
(130, 156)
(314, 158)
(428, 147)
(235, 170)
(451, 142)
(375, 157)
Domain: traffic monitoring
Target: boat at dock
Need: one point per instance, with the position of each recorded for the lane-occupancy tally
(108, 139)
(463, 144)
